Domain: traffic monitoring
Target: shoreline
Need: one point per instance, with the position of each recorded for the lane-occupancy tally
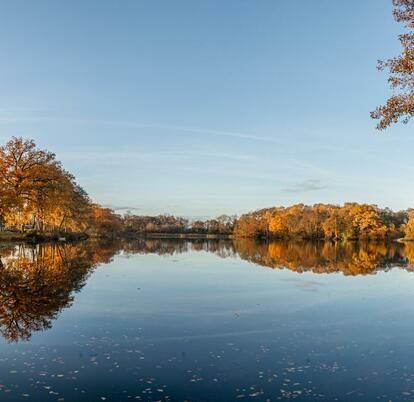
(183, 236)
(7, 237)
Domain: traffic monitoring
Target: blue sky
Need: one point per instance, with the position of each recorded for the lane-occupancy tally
(200, 108)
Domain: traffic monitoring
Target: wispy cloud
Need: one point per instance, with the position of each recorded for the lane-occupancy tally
(122, 208)
(305, 186)
(20, 110)
(14, 115)
(222, 133)
(38, 115)
(128, 155)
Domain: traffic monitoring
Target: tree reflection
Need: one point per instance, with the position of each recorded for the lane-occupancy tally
(37, 283)
(326, 257)
(349, 258)
(223, 248)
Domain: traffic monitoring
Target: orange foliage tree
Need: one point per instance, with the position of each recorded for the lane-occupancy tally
(36, 191)
(400, 106)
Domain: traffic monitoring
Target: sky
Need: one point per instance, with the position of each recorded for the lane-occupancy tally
(199, 108)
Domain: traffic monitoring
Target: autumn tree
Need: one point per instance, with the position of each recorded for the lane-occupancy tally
(198, 226)
(277, 227)
(253, 224)
(25, 175)
(364, 221)
(334, 226)
(409, 229)
(399, 106)
(103, 222)
(36, 190)
(223, 224)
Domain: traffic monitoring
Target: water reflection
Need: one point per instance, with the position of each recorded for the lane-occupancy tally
(348, 258)
(222, 248)
(319, 257)
(38, 282)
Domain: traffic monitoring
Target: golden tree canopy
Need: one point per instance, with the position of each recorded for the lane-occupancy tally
(400, 106)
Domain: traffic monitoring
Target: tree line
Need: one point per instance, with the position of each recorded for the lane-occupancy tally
(352, 221)
(38, 195)
(222, 225)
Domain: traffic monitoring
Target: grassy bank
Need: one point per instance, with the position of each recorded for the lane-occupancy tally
(11, 236)
(6, 236)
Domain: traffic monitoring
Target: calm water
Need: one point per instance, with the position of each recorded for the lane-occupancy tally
(207, 321)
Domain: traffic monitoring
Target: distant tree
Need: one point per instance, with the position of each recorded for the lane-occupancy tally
(277, 226)
(253, 224)
(198, 226)
(333, 226)
(104, 222)
(401, 69)
(351, 221)
(409, 229)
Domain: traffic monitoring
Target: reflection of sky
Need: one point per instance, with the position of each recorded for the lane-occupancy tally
(200, 108)
(200, 284)
(195, 315)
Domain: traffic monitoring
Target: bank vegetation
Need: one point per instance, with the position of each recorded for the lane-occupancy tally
(39, 199)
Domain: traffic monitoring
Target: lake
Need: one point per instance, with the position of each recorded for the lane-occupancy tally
(158, 320)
